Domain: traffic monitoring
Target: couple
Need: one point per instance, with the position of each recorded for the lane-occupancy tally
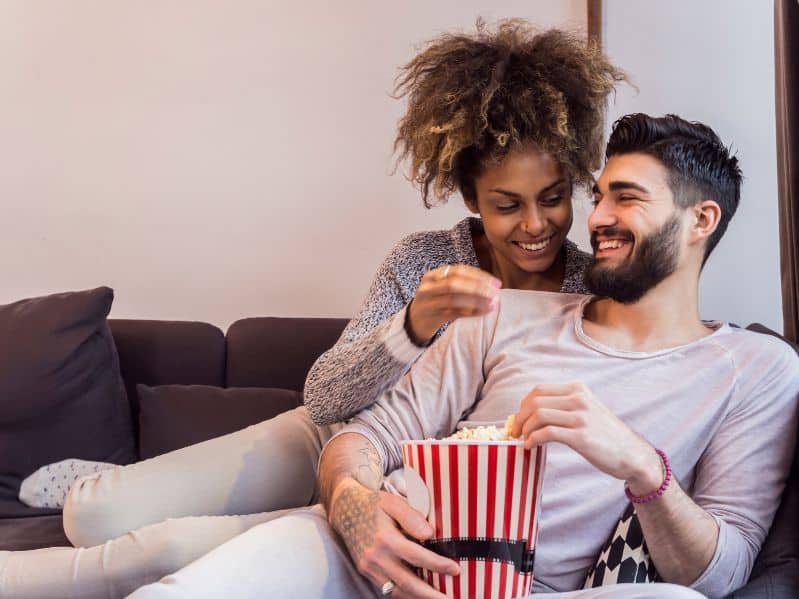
(693, 421)
(512, 120)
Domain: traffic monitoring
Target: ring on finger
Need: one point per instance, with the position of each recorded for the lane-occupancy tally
(387, 588)
(446, 271)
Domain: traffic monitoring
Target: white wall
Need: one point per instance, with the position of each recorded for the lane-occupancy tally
(713, 61)
(212, 160)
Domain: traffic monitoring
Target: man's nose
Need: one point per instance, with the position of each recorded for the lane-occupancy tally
(602, 215)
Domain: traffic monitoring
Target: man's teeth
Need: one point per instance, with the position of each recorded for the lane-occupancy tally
(534, 247)
(611, 245)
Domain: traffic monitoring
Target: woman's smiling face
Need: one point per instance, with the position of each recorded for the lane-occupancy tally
(525, 204)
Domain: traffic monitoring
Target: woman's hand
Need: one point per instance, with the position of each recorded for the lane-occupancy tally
(449, 292)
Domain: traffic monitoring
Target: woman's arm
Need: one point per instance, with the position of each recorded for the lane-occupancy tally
(375, 349)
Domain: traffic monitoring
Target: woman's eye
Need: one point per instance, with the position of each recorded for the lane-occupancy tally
(553, 201)
(506, 207)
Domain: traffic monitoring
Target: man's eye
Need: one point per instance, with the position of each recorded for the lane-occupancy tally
(627, 198)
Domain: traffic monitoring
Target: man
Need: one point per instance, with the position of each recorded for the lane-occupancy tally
(605, 380)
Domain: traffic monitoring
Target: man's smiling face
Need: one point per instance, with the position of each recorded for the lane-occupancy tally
(635, 228)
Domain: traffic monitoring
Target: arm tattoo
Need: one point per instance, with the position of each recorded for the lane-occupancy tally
(353, 457)
(355, 518)
(370, 473)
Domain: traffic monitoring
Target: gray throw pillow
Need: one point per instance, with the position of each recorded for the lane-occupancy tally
(175, 416)
(61, 392)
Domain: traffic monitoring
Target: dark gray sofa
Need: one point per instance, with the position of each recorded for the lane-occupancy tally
(277, 353)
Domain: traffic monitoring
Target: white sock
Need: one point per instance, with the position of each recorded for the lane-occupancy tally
(49, 485)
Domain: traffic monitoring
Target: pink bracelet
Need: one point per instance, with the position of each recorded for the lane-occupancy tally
(654, 494)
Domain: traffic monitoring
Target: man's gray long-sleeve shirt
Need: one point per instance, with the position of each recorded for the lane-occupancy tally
(723, 408)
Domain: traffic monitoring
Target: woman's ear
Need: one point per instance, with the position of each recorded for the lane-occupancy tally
(471, 205)
(706, 217)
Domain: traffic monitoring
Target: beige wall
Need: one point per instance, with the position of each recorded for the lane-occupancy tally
(212, 160)
(713, 61)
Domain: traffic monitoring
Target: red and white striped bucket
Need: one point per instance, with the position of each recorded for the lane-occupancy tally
(483, 505)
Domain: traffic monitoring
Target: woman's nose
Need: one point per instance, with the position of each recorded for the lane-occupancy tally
(534, 224)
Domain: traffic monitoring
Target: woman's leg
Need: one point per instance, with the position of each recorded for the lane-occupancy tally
(118, 567)
(265, 467)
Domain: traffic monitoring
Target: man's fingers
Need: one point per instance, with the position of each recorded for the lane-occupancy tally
(416, 555)
(550, 434)
(551, 417)
(534, 402)
(408, 518)
(407, 583)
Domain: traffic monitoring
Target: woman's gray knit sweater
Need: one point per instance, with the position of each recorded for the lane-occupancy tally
(374, 350)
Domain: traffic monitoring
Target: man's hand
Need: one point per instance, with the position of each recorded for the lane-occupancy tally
(371, 524)
(570, 414)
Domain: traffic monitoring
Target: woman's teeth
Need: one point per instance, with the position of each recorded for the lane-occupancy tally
(611, 244)
(534, 247)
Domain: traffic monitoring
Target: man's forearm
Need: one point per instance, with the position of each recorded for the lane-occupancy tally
(349, 456)
(680, 535)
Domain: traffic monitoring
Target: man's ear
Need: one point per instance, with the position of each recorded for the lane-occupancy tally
(705, 219)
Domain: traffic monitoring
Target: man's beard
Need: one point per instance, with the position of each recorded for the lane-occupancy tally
(654, 259)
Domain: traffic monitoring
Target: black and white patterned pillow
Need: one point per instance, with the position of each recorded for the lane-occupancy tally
(624, 557)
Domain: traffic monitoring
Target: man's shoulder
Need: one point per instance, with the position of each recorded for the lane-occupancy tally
(741, 341)
(527, 307)
(761, 359)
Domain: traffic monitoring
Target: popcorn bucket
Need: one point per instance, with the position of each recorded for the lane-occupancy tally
(482, 499)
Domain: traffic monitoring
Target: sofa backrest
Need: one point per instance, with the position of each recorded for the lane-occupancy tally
(163, 352)
(257, 352)
(277, 352)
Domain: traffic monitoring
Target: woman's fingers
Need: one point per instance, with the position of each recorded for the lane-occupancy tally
(464, 291)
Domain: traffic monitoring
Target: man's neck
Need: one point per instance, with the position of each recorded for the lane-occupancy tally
(667, 316)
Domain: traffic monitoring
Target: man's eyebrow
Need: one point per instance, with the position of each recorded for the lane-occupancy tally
(513, 194)
(619, 186)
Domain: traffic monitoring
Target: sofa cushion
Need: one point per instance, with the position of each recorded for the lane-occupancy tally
(174, 416)
(61, 393)
(19, 534)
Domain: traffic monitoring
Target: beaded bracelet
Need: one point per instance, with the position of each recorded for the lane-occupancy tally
(654, 494)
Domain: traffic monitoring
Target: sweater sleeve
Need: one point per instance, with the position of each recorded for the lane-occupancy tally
(742, 473)
(374, 350)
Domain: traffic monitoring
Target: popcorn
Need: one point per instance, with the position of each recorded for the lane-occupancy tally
(485, 433)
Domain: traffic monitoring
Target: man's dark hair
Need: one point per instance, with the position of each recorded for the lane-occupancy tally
(700, 167)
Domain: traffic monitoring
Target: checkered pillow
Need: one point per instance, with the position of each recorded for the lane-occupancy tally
(624, 557)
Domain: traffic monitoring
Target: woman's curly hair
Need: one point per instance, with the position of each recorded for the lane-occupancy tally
(472, 98)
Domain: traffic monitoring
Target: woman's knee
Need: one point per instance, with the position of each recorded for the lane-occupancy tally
(89, 510)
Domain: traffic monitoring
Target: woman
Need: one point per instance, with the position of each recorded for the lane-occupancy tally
(511, 119)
